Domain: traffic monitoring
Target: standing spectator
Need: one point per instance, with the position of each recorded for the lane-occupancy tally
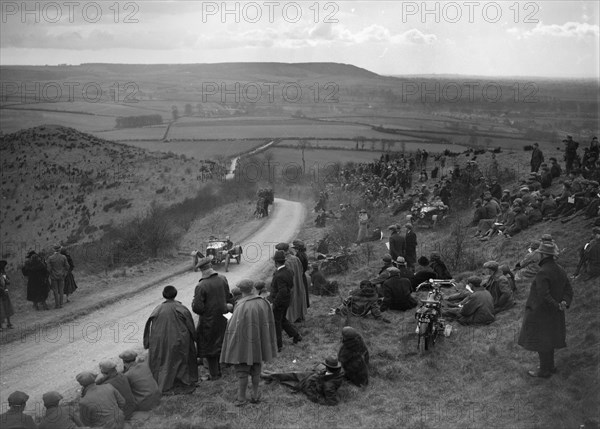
(282, 283)
(109, 375)
(70, 285)
(300, 249)
(100, 405)
(250, 340)
(59, 268)
(544, 327)
(58, 417)
(6, 308)
(297, 307)
(537, 157)
(212, 300)
(143, 386)
(555, 169)
(363, 225)
(410, 240)
(37, 280)
(354, 357)
(570, 152)
(397, 243)
(14, 418)
(169, 335)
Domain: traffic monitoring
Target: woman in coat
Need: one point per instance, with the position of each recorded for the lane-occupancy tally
(354, 357)
(38, 284)
(70, 284)
(544, 327)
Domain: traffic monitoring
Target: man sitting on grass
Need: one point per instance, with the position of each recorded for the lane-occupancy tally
(361, 302)
(475, 309)
(320, 385)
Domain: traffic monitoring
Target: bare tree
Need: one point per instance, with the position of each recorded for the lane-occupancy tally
(303, 145)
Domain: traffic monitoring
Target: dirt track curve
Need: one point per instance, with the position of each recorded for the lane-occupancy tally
(49, 359)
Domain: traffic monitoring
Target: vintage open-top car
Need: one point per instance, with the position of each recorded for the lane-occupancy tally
(223, 251)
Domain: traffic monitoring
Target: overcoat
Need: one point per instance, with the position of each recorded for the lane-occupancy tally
(354, 357)
(297, 308)
(397, 246)
(210, 304)
(543, 326)
(499, 287)
(250, 334)
(410, 240)
(37, 279)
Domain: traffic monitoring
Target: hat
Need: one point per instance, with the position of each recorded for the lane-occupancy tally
(51, 398)
(423, 260)
(18, 398)
(128, 356)
(362, 211)
(245, 286)
(282, 246)
(107, 366)
(31, 252)
(279, 256)
(524, 189)
(400, 261)
(365, 283)
(57, 247)
(349, 332)
(506, 191)
(86, 378)
(393, 227)
(205, 262)
(547, 237)
(534, 245)
(393, 270)
(387, 258)
(517, 209)
(298, 244)
(332, 362)
(474, 280)
(408, 226)
(547, 249)
(492, 265)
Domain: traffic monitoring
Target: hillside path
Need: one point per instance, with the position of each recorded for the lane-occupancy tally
(51, 357)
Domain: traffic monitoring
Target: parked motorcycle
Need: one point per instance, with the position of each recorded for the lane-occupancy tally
(430, 324)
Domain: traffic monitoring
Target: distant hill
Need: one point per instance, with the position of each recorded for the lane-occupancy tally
(62, 185)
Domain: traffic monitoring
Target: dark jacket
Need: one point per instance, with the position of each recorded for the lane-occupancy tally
(121, 383)
(478, 309)
(354, 357)
(544, 325)
(396, 293)
(499, 287)
(411, 247)
(322, 388)
(397, 245)
(37, 279)
(440, 269)
(281, 285)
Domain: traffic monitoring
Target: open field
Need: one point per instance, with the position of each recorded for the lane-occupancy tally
(200, 149)
(15, 120)
(406, 144)
(140, 133)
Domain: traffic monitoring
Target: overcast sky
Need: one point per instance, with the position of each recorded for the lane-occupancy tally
(543, 38)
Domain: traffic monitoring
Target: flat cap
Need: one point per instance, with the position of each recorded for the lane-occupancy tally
(393, 270)
(86, 378)
(298, 244)
(492, 265)
(400, 261)
(106, 366)
(18, 398)
(128, 355)
(474, 280)
(393, 227)
(282, 246)
(547, 237)
(245, 286)
(51, 398)
(205, 262)
(279, 256)
(387, 258)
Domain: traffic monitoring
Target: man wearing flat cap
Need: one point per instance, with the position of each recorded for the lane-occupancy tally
(476, 309)
(109, 375)
(387, 262)
(212, 300)
(100, 405)
(57, 416)
(537, 157)
(170, 335)
(143, 386)
(15, 418)
(281, 286)
(300, 249)
(297, 308)
(58, 265)
(397, 243)
(250, 339)
(396, 292)
(499, 287)
(544, 327)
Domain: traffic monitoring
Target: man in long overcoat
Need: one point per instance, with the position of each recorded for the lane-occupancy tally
(38, 285)
(281, 286)
(397, 243)
(250, 339)
(537, 157)
(410, 240)
(212, 299)
(544, 327)
(300, 249)
(297, 307)
(170, 335)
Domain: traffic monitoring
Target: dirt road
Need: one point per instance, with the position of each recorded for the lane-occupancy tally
(51, 357)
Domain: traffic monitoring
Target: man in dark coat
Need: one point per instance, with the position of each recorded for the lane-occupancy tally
(544, 327)
(57, 416)
(537, 157)
(354, 357)
(397, 292)
(70, 284)
(100, 405)
(281, 285)
(387, 262)
(476, 309)
(439, 267)
(212, 299)
(250, 340)
(397, 243)
(143, 386)
(570, 152)
(499, 287)
(37, 280)
(170, 335)
(410, 239)
(320, 386)
(423, 272)
(15, 418)
(118, 381)
(320, 285)
(300, 249)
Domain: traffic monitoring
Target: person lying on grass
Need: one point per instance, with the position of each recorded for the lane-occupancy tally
(319, 385)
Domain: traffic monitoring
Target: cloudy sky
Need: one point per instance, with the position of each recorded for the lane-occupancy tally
(542, 38)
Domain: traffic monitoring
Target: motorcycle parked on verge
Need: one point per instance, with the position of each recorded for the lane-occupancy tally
(430, 323)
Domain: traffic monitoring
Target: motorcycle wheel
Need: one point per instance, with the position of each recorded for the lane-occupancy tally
(227, 263)
(427, 340)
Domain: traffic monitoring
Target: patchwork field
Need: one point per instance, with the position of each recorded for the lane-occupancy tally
(200, 149)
